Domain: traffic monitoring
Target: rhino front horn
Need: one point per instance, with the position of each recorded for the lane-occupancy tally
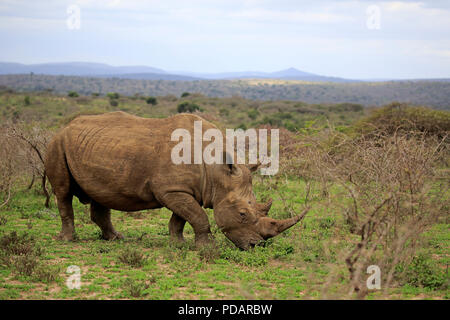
(269, 227)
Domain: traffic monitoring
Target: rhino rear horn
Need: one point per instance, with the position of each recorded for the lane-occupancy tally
(264, 208)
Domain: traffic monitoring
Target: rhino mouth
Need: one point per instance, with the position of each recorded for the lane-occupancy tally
(245, 244)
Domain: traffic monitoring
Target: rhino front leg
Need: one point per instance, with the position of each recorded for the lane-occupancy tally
(186, 207)
(102, 217)
(176, 226)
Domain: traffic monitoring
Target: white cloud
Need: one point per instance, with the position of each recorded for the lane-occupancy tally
(291, 16)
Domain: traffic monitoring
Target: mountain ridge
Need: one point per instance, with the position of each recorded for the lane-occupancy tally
(150, 73)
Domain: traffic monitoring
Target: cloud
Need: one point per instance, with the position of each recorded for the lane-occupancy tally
(290, 16)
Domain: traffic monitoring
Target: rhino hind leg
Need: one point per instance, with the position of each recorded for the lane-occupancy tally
(176, 226)
(59, 176)
(67, 219)
(102, 217)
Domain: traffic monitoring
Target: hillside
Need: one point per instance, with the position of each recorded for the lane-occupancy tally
(431, 93)
(53, 110)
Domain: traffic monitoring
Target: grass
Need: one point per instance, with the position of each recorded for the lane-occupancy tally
(294, 265)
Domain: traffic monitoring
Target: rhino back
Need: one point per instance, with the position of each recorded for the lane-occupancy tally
(121, 161)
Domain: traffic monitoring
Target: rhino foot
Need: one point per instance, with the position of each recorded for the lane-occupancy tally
(205, 240)
(66, 236)
(113, 235)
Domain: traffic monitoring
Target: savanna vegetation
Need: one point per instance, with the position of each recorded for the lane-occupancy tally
(375, 179)
(432, 93)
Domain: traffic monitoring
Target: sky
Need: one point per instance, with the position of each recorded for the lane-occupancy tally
(349, 39)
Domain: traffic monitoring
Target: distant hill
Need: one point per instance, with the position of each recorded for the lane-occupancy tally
(288, 74)
(149, 73)
(149, 76)
(429, 93)
(74, 69)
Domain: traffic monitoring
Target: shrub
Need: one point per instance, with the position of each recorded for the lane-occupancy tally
(185, 94)
(113, 103)
(21, 254)
(187, 107)
(399, 117)
(253, 114)
(151, 100)
(14, 244)
(132, 257)
(394, 191)
(224, 112)
(113, 95)
(73, 94)
(135, 288)
(352, 107)
(27, 100)
(423, 272)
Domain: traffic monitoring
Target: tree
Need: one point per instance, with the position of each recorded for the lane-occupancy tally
(113, 95)
(185, 94)
(187, 107)
(73, 94)
(151, 100)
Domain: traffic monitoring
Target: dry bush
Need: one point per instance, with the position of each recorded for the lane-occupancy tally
(22, 155)
(22, 254)
(8, 168)
(393, 186)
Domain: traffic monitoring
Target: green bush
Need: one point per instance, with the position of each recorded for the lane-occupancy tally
(397, 117)
(151, 100)
(113, 102)
(185, 94)
(224, 112)
(27, 100)
(423, 272)
(188, 107)
(351, 107)
(132, 257)
(113, 95)
(253, 114)
(135, 288)
(72, 94)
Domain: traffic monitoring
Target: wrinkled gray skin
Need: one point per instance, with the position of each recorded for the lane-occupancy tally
(122, 162)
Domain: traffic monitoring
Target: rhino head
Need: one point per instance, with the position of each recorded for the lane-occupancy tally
(244, 221)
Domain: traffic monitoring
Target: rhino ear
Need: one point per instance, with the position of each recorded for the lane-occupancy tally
(233, 169)
(254, 167)
(229, 163)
